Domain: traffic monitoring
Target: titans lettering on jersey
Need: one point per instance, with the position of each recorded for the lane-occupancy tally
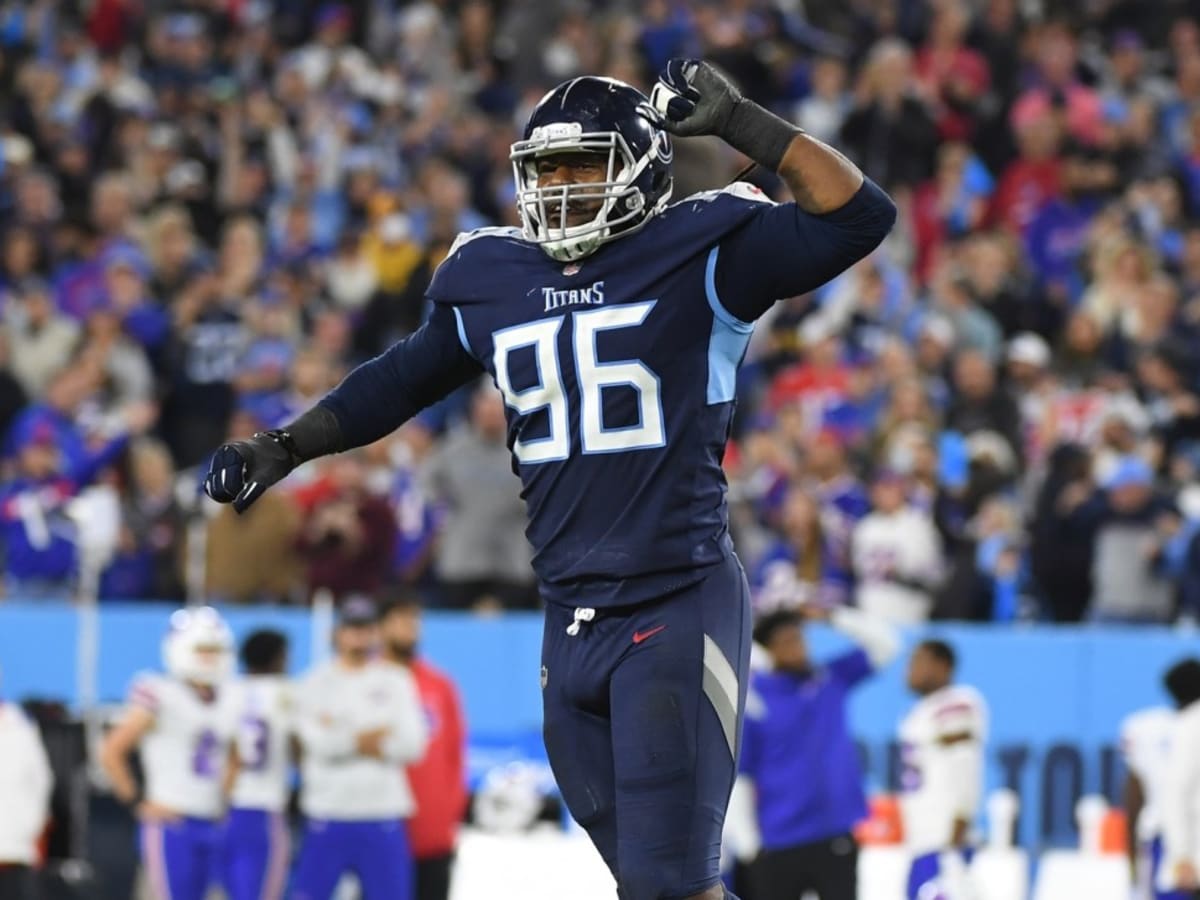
(569, 297)
(620, 370)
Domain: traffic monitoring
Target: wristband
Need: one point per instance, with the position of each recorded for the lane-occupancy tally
(759, 134)
(315, 433)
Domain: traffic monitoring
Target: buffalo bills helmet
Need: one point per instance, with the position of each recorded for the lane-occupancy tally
(599, 116)
(199, 646)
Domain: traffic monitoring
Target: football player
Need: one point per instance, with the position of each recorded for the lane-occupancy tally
(614, 323)
(257, 844)
(1175, 860)
(180, 724)
(941, 777)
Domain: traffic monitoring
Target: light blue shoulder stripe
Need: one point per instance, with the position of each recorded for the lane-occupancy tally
(462, 331)
(726, 344)
(710, 291)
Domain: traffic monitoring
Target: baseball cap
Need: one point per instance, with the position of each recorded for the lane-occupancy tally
(1029, 348)
(1129, 471)
(126, 256)
(357, 611)
(939, 329)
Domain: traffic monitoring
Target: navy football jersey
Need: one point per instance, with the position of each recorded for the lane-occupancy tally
(618, 372)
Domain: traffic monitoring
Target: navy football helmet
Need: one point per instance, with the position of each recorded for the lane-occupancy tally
(599, 116)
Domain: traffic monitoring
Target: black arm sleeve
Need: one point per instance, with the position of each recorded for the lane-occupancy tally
(785, 251)
(382, 394)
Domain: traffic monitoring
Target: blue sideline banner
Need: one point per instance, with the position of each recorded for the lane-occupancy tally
(1057, 694)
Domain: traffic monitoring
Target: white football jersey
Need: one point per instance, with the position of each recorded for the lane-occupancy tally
(904, 546)
(185, 753)
(941, 782)
(1146, 749)
(262, 710)
(1179, 800)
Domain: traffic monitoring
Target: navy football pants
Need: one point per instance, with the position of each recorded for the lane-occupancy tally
(643, 710)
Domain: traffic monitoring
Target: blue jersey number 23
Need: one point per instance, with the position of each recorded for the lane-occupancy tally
(594, 377)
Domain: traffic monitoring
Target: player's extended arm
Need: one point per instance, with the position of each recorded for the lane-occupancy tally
(372, 401)
(839, 215)
(878, 639)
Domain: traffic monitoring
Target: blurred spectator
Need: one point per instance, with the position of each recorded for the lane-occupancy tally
(13, 395)
(953, 75)
(1182, 552)
(212, 214)
(842, 501)
(981, 404)
(145, 563)
(349, 532)
(793, 571)
(823, 112)
(40, 339)
(890, 132)
(25, 782)
(482, 551)
(1128, 578)
(897, 555)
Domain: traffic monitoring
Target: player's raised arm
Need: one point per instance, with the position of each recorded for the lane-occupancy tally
(372, 401)
(839, 215)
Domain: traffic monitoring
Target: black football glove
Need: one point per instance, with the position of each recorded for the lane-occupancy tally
(694, 98)
(241, 471)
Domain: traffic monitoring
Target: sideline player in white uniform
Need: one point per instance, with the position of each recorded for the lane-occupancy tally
(941, 782)
(1146, 750)
(360, 720)
(257, 843)
(1178, 876)
(181, 725)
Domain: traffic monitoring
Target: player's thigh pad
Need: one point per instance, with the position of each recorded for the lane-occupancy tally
(677, 698)
(577, 733)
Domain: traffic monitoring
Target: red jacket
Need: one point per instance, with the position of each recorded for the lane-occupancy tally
(439, 780)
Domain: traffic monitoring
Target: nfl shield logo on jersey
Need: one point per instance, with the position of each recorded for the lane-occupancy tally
(571, 269)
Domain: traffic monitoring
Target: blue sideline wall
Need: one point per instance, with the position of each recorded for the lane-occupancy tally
(1057, 694)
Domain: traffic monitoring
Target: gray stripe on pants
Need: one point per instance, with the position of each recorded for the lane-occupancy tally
(721, 689)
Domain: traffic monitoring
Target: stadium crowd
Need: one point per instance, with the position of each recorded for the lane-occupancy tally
(211, 210)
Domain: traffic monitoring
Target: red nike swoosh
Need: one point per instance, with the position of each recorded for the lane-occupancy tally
(639, 636)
